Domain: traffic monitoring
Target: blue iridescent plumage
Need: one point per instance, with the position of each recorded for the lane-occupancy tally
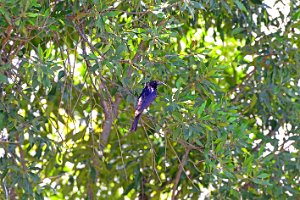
(148, 95)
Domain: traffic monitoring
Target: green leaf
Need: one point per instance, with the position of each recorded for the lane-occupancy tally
(248, 161)
(232, 119)
(93, 174)
(263, 175)
(4, 12)
(1, 120)
(201, 109)
(197, 5)
(199, 143)
(33, 14)
(112, 13)
(106, 48)
(179, 82)
(61, 74)
(207, 127)
(220, 147)
(5, 67)
(121, 50)
(177, 116)
(35, 3)
(93, 56)
(235, 193)
(240, 5)
(159, 14)
(229, 174)
(261, 182)
(237, 31)
(3, 78)
(129, 188)
(40, 52)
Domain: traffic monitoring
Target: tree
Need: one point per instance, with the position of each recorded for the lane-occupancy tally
(225, 126)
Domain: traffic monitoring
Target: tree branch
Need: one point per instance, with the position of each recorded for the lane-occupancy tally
(109, 106)
(137, 56)
(179, 172)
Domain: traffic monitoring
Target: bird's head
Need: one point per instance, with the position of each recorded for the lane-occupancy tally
(155, 83)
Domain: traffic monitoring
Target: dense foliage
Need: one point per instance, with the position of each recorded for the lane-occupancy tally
(225, 126)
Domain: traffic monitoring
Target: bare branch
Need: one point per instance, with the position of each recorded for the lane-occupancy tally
(109, 107)
(179, 172)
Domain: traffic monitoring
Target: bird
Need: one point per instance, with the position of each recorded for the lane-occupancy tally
(147, 96)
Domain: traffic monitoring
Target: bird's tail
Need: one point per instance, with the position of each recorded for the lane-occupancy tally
(135, 122)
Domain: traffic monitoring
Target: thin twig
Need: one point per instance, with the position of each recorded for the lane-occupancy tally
(179, 172)
(120, 147)
(153, 155)
(189, 147)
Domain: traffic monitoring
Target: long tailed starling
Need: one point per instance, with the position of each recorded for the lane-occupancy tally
(148, 95)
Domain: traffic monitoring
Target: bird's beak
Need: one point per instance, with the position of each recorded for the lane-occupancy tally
(160, 83)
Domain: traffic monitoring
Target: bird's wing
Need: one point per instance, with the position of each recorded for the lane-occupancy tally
(145, 99)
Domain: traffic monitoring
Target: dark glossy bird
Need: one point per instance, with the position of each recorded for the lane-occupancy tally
(148, 95)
